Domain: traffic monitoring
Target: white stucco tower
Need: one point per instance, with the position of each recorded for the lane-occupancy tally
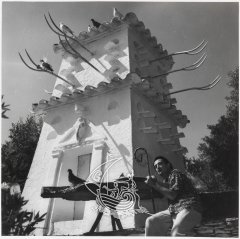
(113, 108)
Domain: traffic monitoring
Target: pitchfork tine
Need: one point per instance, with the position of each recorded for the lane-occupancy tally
(63, 34)
(202, 45)
(27, 64)
(51, 27)
(60, 40)
(55, 24)
(42, 70)
(206, 87)
(196, 64)
(192, 67)
(191, 52)
(194, 49)
(212, 84)
(202, 58)
(30, 58)
(81, 55)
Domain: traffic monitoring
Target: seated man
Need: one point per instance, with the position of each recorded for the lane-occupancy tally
(184, 211)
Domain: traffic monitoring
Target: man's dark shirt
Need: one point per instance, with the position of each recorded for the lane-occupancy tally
(186, 194)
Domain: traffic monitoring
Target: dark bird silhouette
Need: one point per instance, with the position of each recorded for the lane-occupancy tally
(95, 23)
(45, 66)
(73, 179)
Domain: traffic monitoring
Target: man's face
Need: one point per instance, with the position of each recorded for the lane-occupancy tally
(161, 167)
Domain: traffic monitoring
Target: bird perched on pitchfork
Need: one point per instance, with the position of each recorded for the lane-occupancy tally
(117, 14)
(45, 66)
(74, 180)
(89, 28)
(95, 23)
(65, 29)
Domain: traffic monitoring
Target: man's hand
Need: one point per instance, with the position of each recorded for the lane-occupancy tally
(160, 187)
(151, 181)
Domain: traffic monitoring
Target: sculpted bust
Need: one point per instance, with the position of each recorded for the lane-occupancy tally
(75, 133)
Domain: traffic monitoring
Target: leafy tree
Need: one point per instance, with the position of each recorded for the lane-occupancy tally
(18, 152)
(204, 176)
(16, 221)
(17, 155)
(220, 148)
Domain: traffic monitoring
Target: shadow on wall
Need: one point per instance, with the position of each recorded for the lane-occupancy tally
(113, 109)
(108, 110)
(123, 151)
(60, 121)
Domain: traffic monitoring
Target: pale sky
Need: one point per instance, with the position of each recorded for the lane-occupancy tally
(177, 26)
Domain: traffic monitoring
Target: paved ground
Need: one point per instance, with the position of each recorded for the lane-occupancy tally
(227, 227)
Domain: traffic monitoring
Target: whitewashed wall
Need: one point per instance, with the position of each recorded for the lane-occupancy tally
(113, 130)
(111, 58)
(110, 116)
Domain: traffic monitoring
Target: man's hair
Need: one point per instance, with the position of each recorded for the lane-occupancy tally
(165, 160)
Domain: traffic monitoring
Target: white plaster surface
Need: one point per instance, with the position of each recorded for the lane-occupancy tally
(110, 57)
(111, 118)
(118, 140)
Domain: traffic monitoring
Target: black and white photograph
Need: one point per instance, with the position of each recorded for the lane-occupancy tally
(120, 119)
